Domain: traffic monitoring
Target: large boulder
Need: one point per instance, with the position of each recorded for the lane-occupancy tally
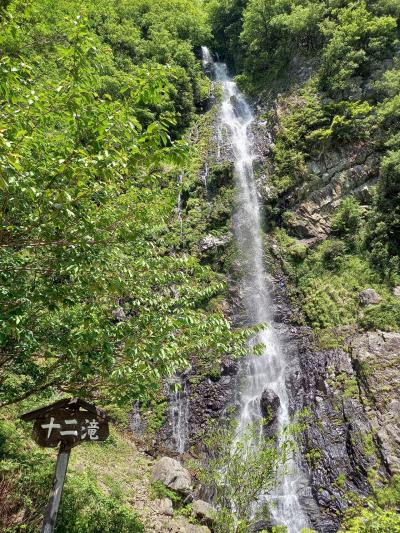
(172, 474)
(369, 297)
(204, 512)
(270, 404)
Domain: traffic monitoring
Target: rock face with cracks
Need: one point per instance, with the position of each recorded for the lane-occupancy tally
(204, 512)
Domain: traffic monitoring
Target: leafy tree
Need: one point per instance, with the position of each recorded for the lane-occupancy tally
(273, 31)
(377, 514)
(227, 21)
(84, 215)
(355, 41)
(348, 218)
(239, 473)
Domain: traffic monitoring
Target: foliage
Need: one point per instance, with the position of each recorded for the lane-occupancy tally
(356, 39)
(274, 30)
(377, 514)
(239, 472)
(384, 316)
(226, 23)
(347, 220)
(160, 491)
(89, 160)
(331, 276)
(25, 475)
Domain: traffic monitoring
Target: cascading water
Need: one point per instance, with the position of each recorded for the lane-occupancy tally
(270, 369)
(179, 414)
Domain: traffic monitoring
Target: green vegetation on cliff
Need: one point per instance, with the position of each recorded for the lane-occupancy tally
(104, 287)
(325, 79)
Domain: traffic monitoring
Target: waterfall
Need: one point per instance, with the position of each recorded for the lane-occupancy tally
(179, 414)
(270, 369)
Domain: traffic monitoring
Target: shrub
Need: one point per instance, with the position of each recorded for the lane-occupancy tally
(348, 218)
(159, 491)
(385, 316)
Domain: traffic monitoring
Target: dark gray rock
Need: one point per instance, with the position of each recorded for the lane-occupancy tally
(334, 441)
(376, 358)
(270, 404)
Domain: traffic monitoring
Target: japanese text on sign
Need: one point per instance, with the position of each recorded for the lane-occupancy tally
(89, 429)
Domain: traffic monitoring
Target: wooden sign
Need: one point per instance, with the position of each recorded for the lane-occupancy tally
(70, 422)
(66, 423)
(69, 427)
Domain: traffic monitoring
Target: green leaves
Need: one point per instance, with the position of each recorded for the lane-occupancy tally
(239, 472)
(87, 196)
(355, 40)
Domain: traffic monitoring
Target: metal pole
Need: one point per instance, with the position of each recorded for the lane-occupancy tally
(50, 515)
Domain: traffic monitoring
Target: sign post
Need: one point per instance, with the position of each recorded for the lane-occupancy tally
(65, 424)
(50, 515)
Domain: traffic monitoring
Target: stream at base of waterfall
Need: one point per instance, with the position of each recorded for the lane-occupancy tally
(269, 370)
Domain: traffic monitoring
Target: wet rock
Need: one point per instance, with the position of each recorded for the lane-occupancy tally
(337, 427)
(238, 106)
(164, 506)
(204, 512)
(172, 474)
(211, 242)
(369, 297)
(270, 403)
(229, 367)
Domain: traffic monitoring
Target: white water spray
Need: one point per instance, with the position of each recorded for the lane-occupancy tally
(179, 415)
(269, 370)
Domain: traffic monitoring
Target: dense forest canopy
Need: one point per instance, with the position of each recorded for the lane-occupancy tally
(95, 98)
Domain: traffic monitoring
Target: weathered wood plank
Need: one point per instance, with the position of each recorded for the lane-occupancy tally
(50, 515)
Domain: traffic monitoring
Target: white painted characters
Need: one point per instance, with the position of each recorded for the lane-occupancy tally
(89, 429)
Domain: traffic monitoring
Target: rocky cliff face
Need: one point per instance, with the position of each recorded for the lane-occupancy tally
(346, 170)
(351, 391)
(352, 397)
